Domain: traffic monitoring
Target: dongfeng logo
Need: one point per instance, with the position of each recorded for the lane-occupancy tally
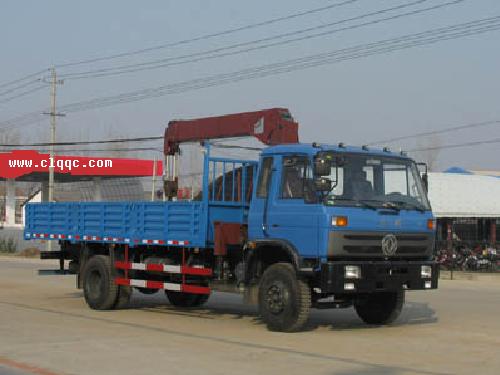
(389, 244)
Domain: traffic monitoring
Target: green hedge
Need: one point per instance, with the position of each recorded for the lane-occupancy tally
(8, 245)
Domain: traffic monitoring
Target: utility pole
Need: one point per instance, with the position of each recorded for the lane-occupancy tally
(53, 114)
(153, 185)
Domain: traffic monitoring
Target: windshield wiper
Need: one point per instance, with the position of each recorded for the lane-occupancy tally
(361, 202)
(410, 205)
(392, 206)
(366, 204)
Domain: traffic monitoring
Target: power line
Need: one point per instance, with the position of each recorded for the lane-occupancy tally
(24, 93)
(458, 145)
(128, 149)
(29, 83)
(21, 120)
(359, 51)
(215, 53)
(209, 36)
(216, 145)
(435, 132)
(75, 143)
(23, 78)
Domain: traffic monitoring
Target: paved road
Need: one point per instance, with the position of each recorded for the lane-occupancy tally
(45, 324)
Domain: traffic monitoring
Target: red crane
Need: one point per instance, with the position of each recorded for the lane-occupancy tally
(270, 126)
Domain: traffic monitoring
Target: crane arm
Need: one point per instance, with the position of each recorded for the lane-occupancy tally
(271, 126)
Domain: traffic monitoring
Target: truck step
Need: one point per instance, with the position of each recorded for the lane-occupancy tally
(158, 267)
(185, 288)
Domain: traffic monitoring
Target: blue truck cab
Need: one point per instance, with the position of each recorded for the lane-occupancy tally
(369, 228)
(306, 226)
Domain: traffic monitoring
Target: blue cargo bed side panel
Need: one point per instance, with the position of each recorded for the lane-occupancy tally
(122, 222)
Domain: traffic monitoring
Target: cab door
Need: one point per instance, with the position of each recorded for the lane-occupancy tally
(293, 213)
(259, 207)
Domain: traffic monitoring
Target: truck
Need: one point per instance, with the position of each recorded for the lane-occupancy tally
(305, 226)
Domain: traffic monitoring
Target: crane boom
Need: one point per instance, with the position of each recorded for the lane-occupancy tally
(270, 126)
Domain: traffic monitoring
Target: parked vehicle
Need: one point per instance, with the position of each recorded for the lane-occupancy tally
(304, 226)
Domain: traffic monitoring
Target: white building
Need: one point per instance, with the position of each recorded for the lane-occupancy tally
(467, 205)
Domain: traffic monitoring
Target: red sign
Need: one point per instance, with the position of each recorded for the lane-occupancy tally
(23, 162)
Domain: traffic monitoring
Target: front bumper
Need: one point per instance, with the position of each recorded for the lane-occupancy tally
(377, 276)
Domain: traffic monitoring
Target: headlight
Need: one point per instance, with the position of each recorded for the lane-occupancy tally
(426, 272)
(349, 286)
(352, 272)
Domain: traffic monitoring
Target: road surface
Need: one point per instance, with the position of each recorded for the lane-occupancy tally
(46, 328)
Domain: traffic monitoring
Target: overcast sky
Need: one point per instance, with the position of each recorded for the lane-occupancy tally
(446, 84)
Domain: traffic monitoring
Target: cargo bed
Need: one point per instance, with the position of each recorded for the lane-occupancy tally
(181, 223)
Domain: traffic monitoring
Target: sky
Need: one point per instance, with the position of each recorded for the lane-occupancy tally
(426, 88)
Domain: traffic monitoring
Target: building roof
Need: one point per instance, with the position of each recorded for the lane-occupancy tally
(459, 194)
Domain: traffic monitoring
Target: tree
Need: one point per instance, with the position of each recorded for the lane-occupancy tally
(430, 152)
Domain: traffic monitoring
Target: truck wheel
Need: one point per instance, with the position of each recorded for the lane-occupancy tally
(180, 299)
(381, 307)
(284, 299)
(123, 299)
(99, 287)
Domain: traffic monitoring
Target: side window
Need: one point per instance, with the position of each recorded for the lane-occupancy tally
(294, 176)
(264, 177)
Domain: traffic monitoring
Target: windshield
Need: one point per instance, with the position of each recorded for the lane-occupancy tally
(376, 181)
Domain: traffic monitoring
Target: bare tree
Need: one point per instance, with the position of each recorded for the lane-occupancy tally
(430, 151)
(9, 136)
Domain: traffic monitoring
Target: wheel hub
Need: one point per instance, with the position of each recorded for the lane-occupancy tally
(94, 284)
(276, 298)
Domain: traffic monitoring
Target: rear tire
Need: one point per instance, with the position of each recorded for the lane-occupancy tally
(284, 299)
(381, 307)
(99, 287)
(186, 300)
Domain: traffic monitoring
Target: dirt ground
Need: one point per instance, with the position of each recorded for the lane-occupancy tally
(46, 328)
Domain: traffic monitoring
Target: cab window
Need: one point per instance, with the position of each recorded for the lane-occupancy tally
(264, 177)
(295, 176)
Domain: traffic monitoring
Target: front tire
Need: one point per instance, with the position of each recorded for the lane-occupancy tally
(284, 299)
(186, 300)
(380, 307)
(99, 288)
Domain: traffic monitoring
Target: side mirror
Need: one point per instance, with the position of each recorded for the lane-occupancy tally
(323, 184)
(422, 168)
(322, 166)
(425, 180)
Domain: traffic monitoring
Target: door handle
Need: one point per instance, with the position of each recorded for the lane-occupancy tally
(275, 225)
